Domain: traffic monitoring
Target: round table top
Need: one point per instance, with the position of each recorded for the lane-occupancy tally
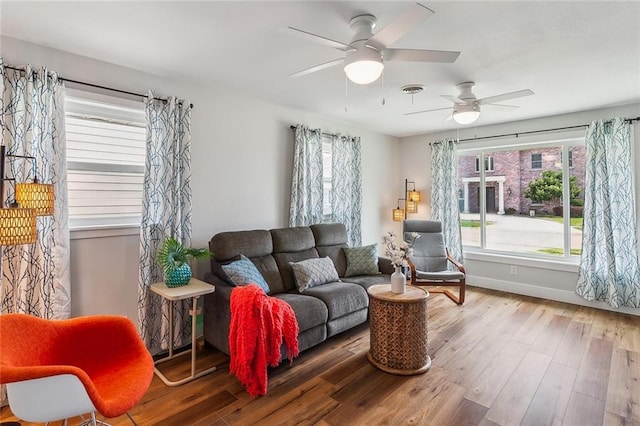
(411, 294)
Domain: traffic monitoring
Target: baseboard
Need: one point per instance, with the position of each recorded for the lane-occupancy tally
(543, 293)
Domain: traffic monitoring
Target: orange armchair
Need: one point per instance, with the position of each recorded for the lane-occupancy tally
(57, 369)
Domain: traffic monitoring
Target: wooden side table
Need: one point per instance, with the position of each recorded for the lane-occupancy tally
(193, 290)
(398, 327)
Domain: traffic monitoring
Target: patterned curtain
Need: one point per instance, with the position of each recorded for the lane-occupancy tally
(166, 212)
(346, 184)
(444, 194)
(609, 266)
(306, 180)
(35, 277)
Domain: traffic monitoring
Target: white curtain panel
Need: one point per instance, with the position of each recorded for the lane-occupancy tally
(306, 179)
(346, 185)
(35, 277)
(609, 266)
(166, 212)
(444, 194)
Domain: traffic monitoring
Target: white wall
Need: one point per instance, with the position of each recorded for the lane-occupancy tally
(549, 280)
(241, 161)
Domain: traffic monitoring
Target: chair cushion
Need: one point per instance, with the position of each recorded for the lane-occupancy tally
(243, 272)
(313, 272)
(429, 253)
(439, 276)
(361, 260)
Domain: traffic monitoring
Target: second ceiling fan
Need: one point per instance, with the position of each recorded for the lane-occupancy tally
(367, 53)
(466, 107)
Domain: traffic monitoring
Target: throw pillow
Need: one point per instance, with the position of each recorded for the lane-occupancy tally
(313, 272)
(361, 260)
(243, 272)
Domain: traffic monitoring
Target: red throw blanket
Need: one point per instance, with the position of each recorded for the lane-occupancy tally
(259, 324)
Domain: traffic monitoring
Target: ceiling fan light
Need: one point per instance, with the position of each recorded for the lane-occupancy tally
(363, 66)
(466, 114)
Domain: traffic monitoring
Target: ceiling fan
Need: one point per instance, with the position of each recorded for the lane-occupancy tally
(466, 107)
(367, 53)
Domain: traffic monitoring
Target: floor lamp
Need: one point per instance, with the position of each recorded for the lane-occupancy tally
(18, 221)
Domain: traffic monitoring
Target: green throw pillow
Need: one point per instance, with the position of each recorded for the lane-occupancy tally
(361, 260)
(313, 272)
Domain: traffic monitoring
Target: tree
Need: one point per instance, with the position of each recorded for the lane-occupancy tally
(548, 187)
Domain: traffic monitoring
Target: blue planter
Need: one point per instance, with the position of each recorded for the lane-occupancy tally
(179, 276)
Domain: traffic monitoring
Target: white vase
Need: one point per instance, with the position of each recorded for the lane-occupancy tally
(398, 281)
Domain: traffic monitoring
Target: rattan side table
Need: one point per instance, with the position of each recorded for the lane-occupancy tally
(398, 327)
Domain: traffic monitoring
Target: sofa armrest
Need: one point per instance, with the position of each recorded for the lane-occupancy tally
(385, 266)
(217, 313)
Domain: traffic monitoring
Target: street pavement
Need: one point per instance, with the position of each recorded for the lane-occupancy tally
(519, 233)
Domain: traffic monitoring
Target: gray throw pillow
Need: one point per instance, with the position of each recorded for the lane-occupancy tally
(313, 272)
(243, 272)
(361, 260)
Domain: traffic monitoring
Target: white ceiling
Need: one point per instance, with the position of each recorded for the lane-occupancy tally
(574, 55)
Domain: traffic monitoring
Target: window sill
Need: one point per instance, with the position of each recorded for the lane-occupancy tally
(566, 265)
(88, 232)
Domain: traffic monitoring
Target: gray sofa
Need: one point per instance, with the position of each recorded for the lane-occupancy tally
(322, 311)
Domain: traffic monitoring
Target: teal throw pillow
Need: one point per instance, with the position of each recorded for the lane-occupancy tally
(361, 260)
(243, 272)
(313, 272)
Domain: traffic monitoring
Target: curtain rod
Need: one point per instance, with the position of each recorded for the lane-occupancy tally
(292, 127)
(534, 131)
(97, 86)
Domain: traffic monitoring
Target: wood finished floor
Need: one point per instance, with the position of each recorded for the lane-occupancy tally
(500, 359)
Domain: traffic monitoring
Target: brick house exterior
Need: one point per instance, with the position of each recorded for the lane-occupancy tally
(507, 177)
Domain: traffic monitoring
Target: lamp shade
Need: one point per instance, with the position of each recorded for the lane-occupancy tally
(412, 207)
(363, 66)
(17, 226)
(414, 196)
(37, 196)
(398, 214)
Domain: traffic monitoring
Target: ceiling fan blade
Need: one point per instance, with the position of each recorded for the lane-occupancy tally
(449, 117)
(400, 26)
(502, 106)
(318, 68)
(317, 39)
(428, 110)
(417, 55)
(454, 99)
(504, 97)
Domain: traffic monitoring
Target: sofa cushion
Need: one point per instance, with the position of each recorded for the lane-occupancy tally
(313, 272)
(329, 234)
(310, 311)
(286, 272)
(330, 239)
(341, 298)
(361, 260)
(227, 246)
(367, 281)
(243, 271)
(286, 240)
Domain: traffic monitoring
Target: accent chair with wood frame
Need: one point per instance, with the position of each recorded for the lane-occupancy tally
(429, 262)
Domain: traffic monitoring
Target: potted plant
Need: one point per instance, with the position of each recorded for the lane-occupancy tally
(173, 258)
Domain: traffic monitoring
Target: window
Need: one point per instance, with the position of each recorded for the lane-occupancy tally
(536, 161)
(488, 164)
(105, 160)
(535, 220)
(327, 211)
